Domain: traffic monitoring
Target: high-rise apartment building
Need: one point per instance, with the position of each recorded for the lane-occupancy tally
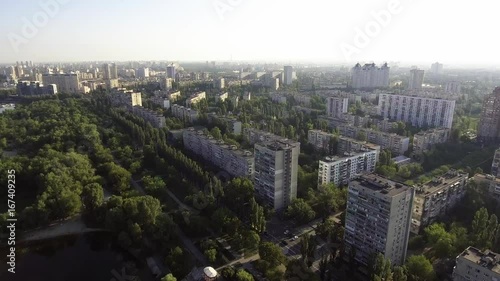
(288, 72)
(341, 169)
(166, 83)
(370, 76)
(416, 79)
(142, 72)
(489, 124)
(437, 68)
(417, 110)
(34, 88)
(276, 167)
(336, 106)
(66, 83)
(435, 198)
(476, 265)
(171, 71)
(236, 162)
(378, 218)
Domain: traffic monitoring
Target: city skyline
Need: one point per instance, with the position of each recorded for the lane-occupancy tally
(288, 31)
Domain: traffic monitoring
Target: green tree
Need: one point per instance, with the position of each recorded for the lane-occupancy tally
(419, 269)
(92, 197)
(257, 217)
(211, 255)
(398, 274)
(153, 184)
(243, 275)
(271, 253)
(300, 210)
(169, 277)
(216, 133)
(381, 269)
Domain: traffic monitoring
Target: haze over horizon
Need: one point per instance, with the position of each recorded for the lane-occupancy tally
(241, 30)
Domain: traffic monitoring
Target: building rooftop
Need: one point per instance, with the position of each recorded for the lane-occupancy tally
(280, 144)
(487, 259)
(234, 149)
(437, 184)
(380, 184)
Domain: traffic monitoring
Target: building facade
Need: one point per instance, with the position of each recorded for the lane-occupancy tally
(416, 79)
(288, 73)
(370, 76)
(424, 140)
(184, 113)
(395, 143)
(476, 265)
(236, 162)
(436, 197)
(336, 107)
(341, 169)
(276, 168)
(124, 97)
(156, 119)
(417, 110)
(66, 83)
(489, 125)
(195, 98)
(378, 218)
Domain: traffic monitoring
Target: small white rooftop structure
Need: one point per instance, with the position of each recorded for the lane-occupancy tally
(210, 272)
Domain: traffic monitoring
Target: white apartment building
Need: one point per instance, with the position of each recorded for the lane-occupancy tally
(236, 162)
(222, 97)
(276, 168)
(341, 169)
(369, 76)
(378, 218)
(424, 140)
(66, 83)
(476, 265)
(156, 120)
(436, 197)
(122, 96)
(336, 107)
(419, 111)
(196, 98)
(397, 144)
(184, 113)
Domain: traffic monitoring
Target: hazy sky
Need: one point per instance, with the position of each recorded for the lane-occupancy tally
(452, 32)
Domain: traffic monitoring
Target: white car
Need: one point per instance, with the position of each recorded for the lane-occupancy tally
(295, 238)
